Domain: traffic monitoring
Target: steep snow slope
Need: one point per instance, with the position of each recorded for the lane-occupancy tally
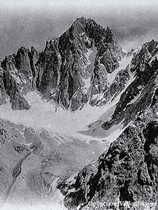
(122, 65)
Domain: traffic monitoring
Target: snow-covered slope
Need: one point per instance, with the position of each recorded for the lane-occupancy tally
(43, 114)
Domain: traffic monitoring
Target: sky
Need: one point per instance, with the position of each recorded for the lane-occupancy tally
(32, 22)
(76, 4)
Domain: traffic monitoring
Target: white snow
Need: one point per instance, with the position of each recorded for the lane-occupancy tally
(16, 78)
(54, 200)
(87, 84)
(56, 204)
(90, 63)
(42, 115)
(89, 52)
(97, 96)
(122, 65)
(135, 99)
(117, 98)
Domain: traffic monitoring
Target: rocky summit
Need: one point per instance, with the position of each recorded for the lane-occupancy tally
(79, 122)
(72, 69)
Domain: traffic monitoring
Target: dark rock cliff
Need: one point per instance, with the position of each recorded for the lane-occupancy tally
(2, 88)
(18, 76)
(138, 95)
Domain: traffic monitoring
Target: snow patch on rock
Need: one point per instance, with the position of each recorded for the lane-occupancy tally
(122, 65)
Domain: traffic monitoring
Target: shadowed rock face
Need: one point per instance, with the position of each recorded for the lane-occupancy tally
(138, 95)
(127, 172)
(22, 62)
(21, 67)
(18, 75)
(2, 88)
(11, 85)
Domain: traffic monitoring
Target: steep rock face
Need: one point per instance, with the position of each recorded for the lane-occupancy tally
(22, 62)
(19, 76)
(115, 84)
(138, 95)
(33, 56)
(16, 99)
(2, 88)
(72, 69)
(22, 68)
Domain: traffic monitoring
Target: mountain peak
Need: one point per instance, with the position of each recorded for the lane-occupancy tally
(92, 29)
(65, 61)
(80, 19)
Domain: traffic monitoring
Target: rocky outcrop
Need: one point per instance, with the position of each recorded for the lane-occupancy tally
(17, 101)
(2, 88)
(19, 76)
(22, 62)
(21, 67)
(138, 95)
(34, 56)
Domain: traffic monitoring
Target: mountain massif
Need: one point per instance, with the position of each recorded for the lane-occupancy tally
(86, 67)
(72, 70)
